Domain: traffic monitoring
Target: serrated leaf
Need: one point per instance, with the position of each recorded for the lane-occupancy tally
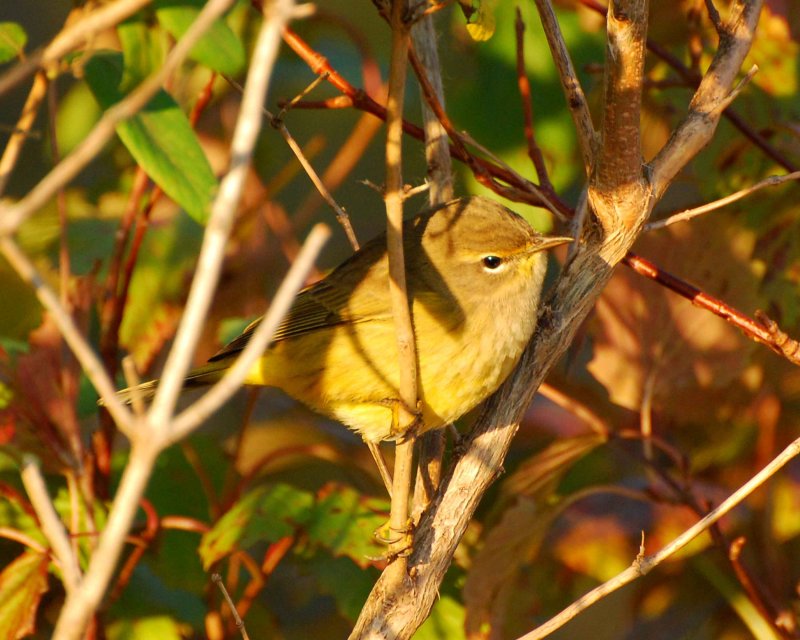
(219, 48)
(22, 584)
(266, 514)
(159, 137)
(12, 41)
(344, 522)
(339, 521)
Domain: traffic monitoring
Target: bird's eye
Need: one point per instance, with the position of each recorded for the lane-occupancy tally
(492, 262)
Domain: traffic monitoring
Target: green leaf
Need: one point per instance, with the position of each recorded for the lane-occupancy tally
(339, 521)
(162, 627)
(446, 621)
(159, 137)
(266, 514)
(22, 584)
(142, 50)
(12, 41)
(14, 515)
(344, 522)
(218, 48)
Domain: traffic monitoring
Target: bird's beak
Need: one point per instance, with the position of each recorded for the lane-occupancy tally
(548, 242)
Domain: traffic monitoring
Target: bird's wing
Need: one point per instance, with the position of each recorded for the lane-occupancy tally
(321, 306)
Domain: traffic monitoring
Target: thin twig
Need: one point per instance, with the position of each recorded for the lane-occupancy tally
(225, 388)
(276, 122)
(398, 290)
(51, 524)
(688, 214)
(645, 565)
(524, 85)
(762, 329)
(223, 212)
(70, 38)
(576, 100)
(236, 618)
(357, 98)
(22, 129)
(13, 216)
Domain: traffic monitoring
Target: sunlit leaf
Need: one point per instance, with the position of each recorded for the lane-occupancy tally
(12, 41)
(142, 51)
(159, 137)
(509, 546)
(265, 514)
(344, 522)
(22, 584)
(480, 19)
(649, 337)
(219, 48)
(446, 621)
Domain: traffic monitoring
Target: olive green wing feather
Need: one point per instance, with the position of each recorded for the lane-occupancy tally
(321, 306)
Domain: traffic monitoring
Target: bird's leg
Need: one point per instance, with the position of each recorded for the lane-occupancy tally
(383, 468)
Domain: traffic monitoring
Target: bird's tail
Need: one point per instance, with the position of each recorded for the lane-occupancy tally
(202, 376)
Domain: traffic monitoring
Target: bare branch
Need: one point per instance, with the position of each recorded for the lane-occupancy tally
(222, 213)
(688, 214)
(712, 96)
(440, 180)
(70, 38)
(22, 129)
(398, 290)
(576, 100)
(11, 217)
(642, 566)
(52, 527)
(618, 164)
(437, 152)
(151, 439)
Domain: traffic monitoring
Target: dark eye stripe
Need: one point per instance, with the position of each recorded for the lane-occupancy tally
(492, 262)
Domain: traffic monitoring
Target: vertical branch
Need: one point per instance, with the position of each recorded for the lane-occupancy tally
(398, 290)
(440, 181)
(437, 151)
(619, 160)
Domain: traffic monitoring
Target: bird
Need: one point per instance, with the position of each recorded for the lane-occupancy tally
(474, 272)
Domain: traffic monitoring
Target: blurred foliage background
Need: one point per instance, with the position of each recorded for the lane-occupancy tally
(283, 503)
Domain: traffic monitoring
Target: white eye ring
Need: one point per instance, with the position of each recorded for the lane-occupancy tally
(492, 263)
